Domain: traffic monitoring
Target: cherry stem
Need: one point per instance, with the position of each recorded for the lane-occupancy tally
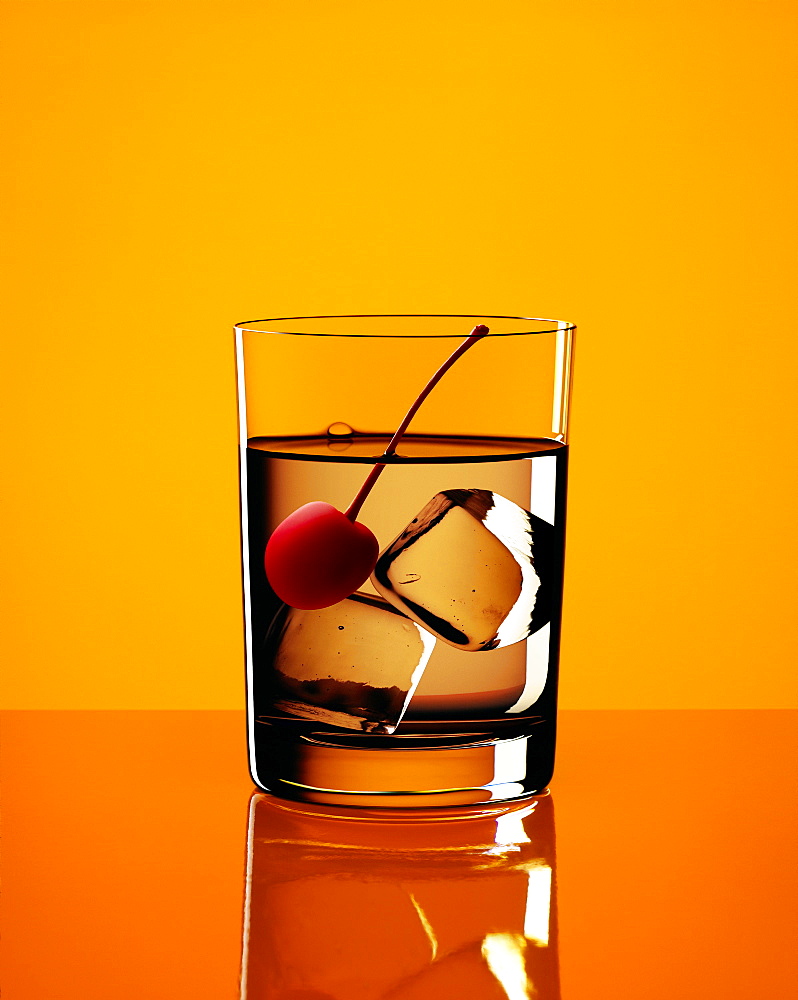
(354, 508)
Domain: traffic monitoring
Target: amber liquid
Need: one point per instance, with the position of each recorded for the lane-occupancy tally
(465, 701)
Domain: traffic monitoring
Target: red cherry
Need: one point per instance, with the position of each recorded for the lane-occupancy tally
(316, 557)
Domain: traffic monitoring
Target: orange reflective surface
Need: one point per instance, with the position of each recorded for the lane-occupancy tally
(127, 835)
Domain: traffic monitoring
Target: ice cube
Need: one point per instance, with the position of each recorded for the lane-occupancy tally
(468, 570)
(354, 665)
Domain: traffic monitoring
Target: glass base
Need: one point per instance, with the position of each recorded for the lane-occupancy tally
(456, 775)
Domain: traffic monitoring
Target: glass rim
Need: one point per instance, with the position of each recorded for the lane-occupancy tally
(548, 326)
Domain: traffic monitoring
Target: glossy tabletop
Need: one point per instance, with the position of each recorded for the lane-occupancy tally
(128, 837)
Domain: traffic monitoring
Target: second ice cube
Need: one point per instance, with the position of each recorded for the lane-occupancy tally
(354, 665)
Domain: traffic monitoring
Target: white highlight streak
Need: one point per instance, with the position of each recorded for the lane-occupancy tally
(559, 385)
(537, 669)
(544, 488)
(510, 831)
(422, 916)
(242, 451)
(247, 901)
(509, 523)
(500, 793)
(504, 954)
(510, 827)
(538, 906)
(509, 761)
(428, 640)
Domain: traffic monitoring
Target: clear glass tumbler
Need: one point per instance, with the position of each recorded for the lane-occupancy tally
(435, 684)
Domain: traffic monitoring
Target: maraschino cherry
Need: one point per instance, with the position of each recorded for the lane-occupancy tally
(318, 555)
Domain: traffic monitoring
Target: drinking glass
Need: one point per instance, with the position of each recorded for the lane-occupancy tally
(435, 684)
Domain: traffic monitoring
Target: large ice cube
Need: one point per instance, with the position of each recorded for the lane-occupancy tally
(353, 665)
(467, 569)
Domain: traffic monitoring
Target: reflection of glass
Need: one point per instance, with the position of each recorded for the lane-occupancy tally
(400, 909)
(446, 660)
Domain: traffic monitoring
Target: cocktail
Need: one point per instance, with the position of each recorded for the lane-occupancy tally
(429, 677)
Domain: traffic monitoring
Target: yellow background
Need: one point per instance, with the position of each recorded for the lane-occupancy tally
(173, 167)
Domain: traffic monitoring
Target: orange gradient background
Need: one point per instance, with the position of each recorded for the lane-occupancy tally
(173, 167)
